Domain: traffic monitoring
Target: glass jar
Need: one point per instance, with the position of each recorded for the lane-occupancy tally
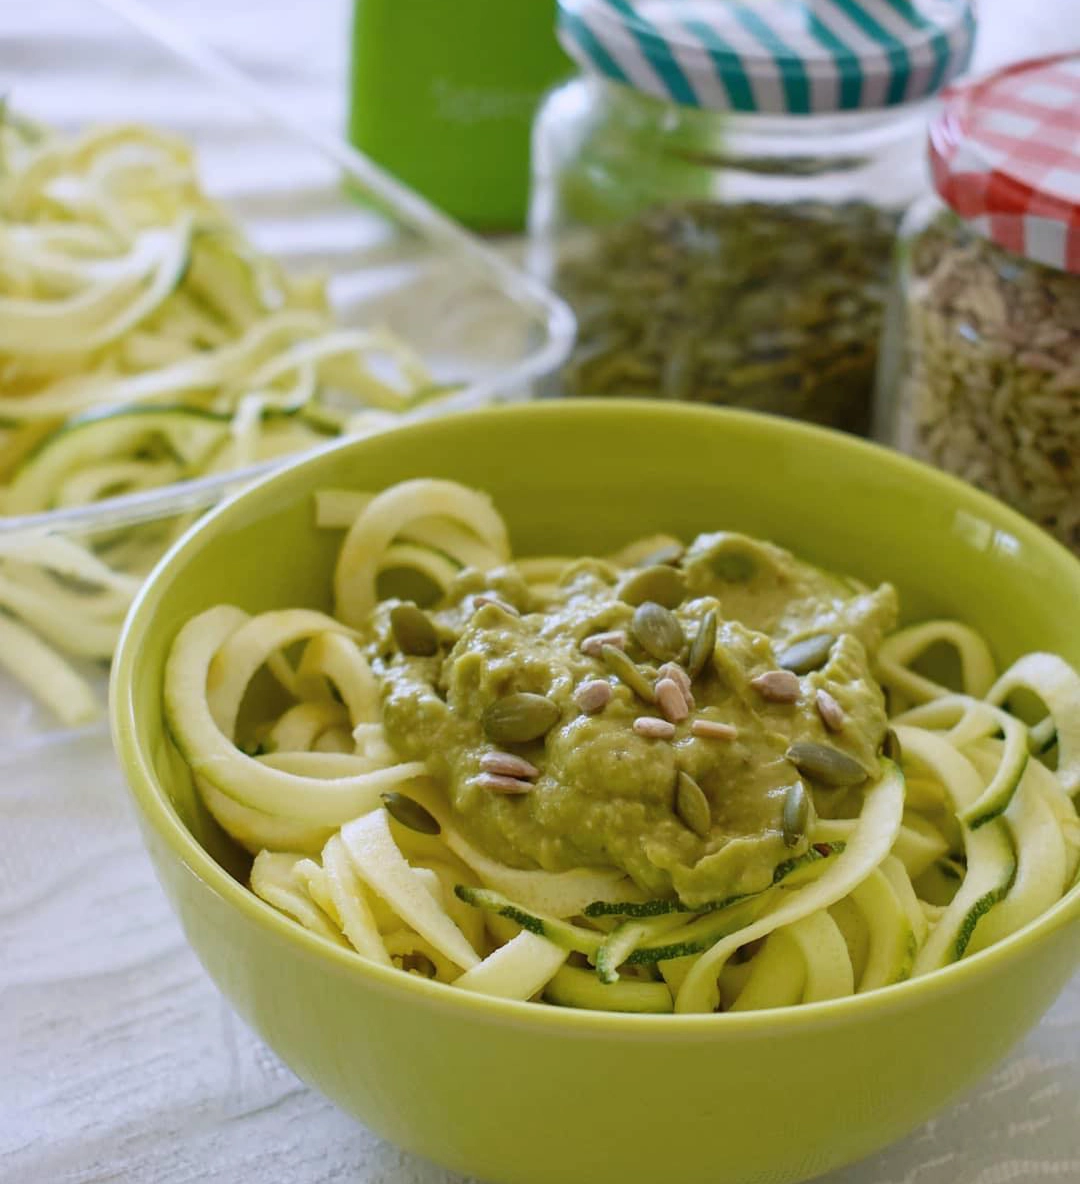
(980, 370)
(723, 244)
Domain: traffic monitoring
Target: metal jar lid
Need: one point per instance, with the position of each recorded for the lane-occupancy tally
(795, 57)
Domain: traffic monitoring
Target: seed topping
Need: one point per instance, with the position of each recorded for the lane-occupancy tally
(495, 783)
(832, 714)
(410, 813)
(713, 729)
(520, 717)
(692, 806)
(657, 631)
(654, 729)
(671, 701)
(594, 644)
(777, 686)
(702, 646)
(508, 765)
(627, 673)
(593, 696)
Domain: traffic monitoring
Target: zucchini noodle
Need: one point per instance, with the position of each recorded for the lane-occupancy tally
(144, 340)
(963, 833)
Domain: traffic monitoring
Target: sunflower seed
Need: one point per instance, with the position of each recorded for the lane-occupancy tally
(990, 385)
(494, 783)
(796, 813)
(594, 644)
(657, 631)
(809, 654)
(692, 806)
(410, 813)
(660, 583)
(518, 718)
(704, 643)
(593, 696)
(654, 729)
(713, 729)
(483, 598)
(825, 765)
(509, 765)
(413, 631)
(778, 686)
(670, 700)
(679, 676)
(625, 670)
(832, 714)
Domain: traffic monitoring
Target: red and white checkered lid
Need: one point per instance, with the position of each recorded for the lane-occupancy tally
(1005, 154)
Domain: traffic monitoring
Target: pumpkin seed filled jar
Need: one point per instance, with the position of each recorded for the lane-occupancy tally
(980, 373)
(717, 193)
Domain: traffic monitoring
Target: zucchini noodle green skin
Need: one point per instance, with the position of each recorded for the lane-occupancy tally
(846, 916)
(145, 341)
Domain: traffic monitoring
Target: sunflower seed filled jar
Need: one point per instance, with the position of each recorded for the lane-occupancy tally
(980, 370)
(717, 193)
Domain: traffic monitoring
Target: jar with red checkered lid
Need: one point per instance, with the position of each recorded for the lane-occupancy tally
(980, 367)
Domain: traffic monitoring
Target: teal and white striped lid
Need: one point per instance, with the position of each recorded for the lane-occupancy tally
(773, 56)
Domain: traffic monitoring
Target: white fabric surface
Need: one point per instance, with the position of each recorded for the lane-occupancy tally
(119, 1062)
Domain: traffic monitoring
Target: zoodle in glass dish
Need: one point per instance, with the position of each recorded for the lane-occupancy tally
(144, 340)
(690, 777)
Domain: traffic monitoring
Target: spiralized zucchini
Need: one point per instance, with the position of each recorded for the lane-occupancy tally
(963, 836)
(144, 340)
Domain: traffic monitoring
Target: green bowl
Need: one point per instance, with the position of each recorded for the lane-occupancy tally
(528, 1094)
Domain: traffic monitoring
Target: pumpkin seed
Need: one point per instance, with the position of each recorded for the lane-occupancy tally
(626, 672)
(657, 631)
(809, 654)
(828, 766)
(772, 307)
(660, 583)
(518, 718)
(692, 806)
(703, 644)
(890, 746)
(413, 631)
(410, 813)
(796, 814)
(733, 566)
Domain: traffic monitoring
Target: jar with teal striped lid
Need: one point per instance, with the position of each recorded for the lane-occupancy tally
(717, 192)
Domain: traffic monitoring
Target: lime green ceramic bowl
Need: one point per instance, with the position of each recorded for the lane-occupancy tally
(531, 1094)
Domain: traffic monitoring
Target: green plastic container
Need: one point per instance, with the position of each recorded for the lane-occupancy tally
(443, 95)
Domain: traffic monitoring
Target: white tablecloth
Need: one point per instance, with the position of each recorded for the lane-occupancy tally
(119, 1062)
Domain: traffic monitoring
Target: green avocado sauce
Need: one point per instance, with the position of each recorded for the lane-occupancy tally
(605, 795)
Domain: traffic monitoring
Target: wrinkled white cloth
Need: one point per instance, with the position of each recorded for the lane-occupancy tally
(119, 1062)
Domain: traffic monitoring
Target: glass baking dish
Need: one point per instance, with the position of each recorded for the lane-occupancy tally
(482, 327)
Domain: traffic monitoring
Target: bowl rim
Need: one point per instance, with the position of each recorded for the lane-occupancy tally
(158, 812)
